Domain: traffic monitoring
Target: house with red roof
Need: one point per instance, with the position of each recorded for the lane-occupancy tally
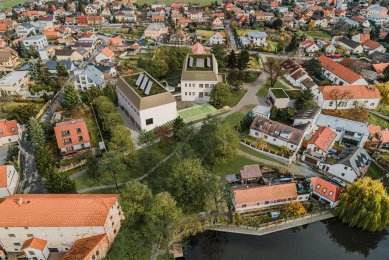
(372, 46)
(72, 136)
(325, 191)
(361, 37)
(106, 55)
(379, 68)
(9, 180)
(10, 132)
(256, 197)
(318, 144)
(309, 47)
(347, 96)
(339, 74)
(35, 248)
(378, 137)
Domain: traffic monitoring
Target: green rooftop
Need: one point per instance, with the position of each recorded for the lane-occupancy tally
(279, 93)
(199, 63)
(155, 89)
(293, 94)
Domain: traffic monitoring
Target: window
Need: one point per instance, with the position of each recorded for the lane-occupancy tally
(12, 130)
(266, 202)
(30, 235)
(201, 85)
(31, 252)
(17, 244)
(331, 193)
(149, 121)
(274, 139)
(186, 93)
(324, 190)
(201, 94)
(78, 130)
(67, 141)
(256, 134)
(207, 85)
(65, 133)
(343, 174)
(331, 103)
(372, 104)
(11, 235)
(318, 186)
(193, 93)
(345, 167)
(80, 139)
(206, 94)
(243, 205)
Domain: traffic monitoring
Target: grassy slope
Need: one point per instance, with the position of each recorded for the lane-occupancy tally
(9, 3)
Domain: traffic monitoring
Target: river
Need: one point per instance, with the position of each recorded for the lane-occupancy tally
(325, 240)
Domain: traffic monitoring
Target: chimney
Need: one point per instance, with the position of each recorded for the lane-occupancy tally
(20, 201)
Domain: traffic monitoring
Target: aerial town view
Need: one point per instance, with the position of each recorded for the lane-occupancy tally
(194, 129)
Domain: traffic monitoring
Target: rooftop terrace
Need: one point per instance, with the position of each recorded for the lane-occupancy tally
(199, 63)
(144, 85)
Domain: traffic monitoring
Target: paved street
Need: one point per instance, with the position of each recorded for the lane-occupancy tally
(230, 33)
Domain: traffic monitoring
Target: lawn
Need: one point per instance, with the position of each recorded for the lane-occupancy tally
(255, 153)
(9, 3)
(374, 171)
(262, 92)
(242, 32)
(251, 77)
(232, 166)
(7, 107)
(234, 119)
(376, 120)
(383, 108)
(197, 112)
(317, 34)
(206, 34)
(235, 97)
(168, 2)
(254, 64)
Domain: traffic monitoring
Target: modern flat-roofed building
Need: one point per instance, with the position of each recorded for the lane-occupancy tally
(145, 101)
(200, 73)
(14, 82)
(36, 41)
(58, 219)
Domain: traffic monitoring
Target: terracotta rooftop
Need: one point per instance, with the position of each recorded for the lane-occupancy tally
(82, 248)
(55, 210)
(357, 92)
(74, 130)
(107, 52)
(379, 68)
(3, 176)
(326, 189)
(251, 171)
(323, 138)
(36, 243)
(371, 44)
(8, 128)
(339, 70)
(378, 134)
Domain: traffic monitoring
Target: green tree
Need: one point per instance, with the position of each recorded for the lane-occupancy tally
(22, 113)
(277, 24)
(274, 69)
(147, 138)
(385, 73)
(219, 94)
(305, 100)
(57, 182)
(112, 165)
(90, 95)
(188, 185)
(110, 92)
(111, 121)
(294, 43)
(365, 204)
(61, 70)
(160, 68)
(178, 129)
(37, 134)
(243, 60)
(71, 98)
(45, 162)
(313, 67)
(220, 55)
(121, 140)
(231, 60)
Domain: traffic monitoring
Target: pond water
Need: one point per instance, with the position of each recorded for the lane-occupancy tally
(325, 240)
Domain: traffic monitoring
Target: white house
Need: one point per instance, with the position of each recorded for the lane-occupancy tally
(14, 82)
(350, 45)
(9, 180)
(145, 101)
(350, 164)
(97, 76)
(36, 41)
(277, 133)
(106, 55)
(10, 132)
(295, 73)
(257, 197)
(200, 73)
(257, 38)
(373, 46)
(339, 74)
(346, 97)
(59, 219)
(25, 29)
(277, 97)
(309, 46)
(35, 248)
(216, 39)
(325, 191)
(377, 13)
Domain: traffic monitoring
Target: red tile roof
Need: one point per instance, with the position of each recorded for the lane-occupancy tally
(107, 52)
(323, 138)
(55, 210)
(72, 127)
(357, 92)
(319, 185)
(36, 243)
(339, 70)
(8, 128)
(84, 247)
(115, 41)
(263, 193)
(376, 131)
(3, 176)
(371, 44)
(379, 68)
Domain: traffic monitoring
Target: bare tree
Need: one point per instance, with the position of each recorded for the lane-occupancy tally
(274, 69)
(339, 96)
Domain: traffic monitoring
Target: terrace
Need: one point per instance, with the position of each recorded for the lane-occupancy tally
(199, 63)
(144, 85)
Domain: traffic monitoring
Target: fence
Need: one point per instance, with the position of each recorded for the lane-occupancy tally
(71, 166)
(287, 160)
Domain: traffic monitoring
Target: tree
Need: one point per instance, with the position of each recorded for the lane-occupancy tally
(37, 134)
(313, 67)
(147, 138)
(294, 43)
(339, 96)
(277, 24)
(294, 209)
(231, 60)
(61, 70)
(188, 185)
(57, 182)
(243, 60)
(220, 55)
(384, 89)
(385, 73)
(365, 204)
(305, 100)
(219, 94)
(358, 112)
(178, 129)
(110, 92)
(112, 165)
(135, 200)
(274, 69)
(45, 162)
(121, 140)
(245, 123)
(160, 68)
(71, 98)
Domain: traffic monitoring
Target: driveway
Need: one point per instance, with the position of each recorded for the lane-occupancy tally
(130, 126)
(231, 37)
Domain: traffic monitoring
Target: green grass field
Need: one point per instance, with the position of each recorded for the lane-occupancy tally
(232, 166)
(376, 120)
(235, 97)
(9, 3)
(196, 113)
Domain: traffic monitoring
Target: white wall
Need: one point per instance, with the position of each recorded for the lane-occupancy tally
(190, 90)
(239, 208)
(347, 104)
(339, 170)
(9, 139)
(40, 255)
(335, 79)
(273, 140)
(160, 115)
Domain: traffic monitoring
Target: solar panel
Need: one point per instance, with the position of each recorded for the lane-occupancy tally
(190, 62)
(208, 62)
(139, 80)
(148, 89)
(200, 63)
(144, 82)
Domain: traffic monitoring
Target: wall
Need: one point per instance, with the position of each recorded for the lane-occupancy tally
(338, 170)
(368, 103)
(196, 89)
(161, 115)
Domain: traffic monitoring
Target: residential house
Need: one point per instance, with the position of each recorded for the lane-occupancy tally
(348, 132)
(195, 15)
(106, 55)
(123, 17)
(9, 180)
(8, 59)
(47, 53)
(339, 74)
(14, 82)
(87, 45)
(89, 77)
(68, 54)
(91, 9)
(216, 39)
(378, 137)
(348, 165)
(53, 64)
(325, 191)
(250, 173)
(36, 41)
(106, 12)
(59, 221)
(362, 21)
(306, 117)
(309, 47)
(72, 137)
(116, 42)
(372, 46)
(277, 97)
(90, 20)
(25, 29)
(318, 144)
(347, 96)
(155, 30)
(35, 248)
(199, 74)
(257, 197)
(145, 101)
(257, 38)
(264, 16)
(217, 24)
(379, 68)
(360, 37)
(377, 13)
(350, 45)
(277, 133)
(10, 132)
(96, 247)
(295, 73)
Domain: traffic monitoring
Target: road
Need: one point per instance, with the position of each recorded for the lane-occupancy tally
(231, 36)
